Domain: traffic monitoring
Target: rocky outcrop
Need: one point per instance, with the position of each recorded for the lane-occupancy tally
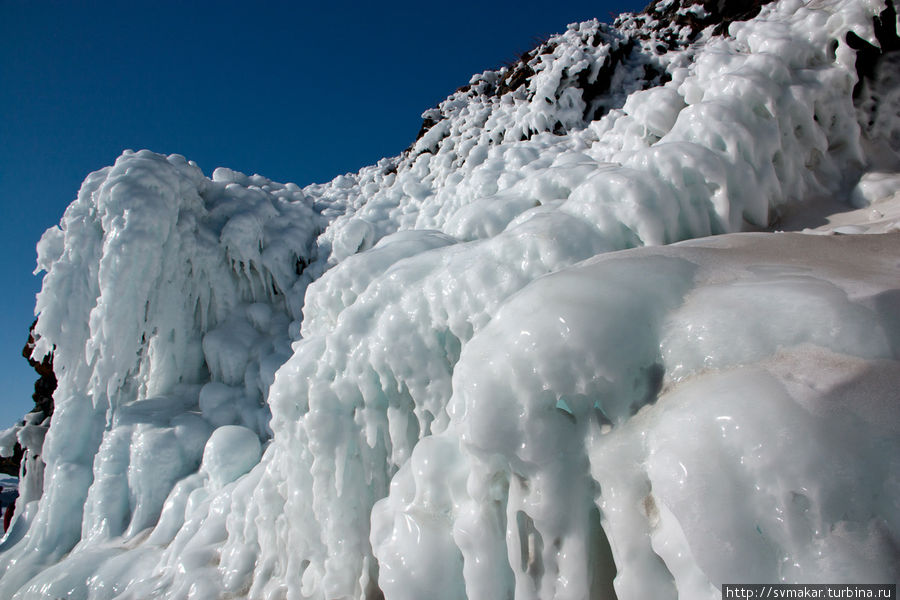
(46, 384)
(39, 417)
(634, 39)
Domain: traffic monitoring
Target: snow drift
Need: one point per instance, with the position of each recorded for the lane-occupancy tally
(485, 368)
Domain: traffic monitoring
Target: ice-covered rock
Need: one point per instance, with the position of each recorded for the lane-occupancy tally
(647, 447)
(486, 368)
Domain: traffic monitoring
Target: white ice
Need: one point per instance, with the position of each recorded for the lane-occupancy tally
(492, 367)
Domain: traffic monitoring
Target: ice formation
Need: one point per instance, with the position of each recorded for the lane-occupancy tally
(492, 367)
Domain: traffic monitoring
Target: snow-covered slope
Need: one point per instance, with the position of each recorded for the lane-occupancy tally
(485, 368)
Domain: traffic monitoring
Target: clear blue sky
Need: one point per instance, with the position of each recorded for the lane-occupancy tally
(294, 91)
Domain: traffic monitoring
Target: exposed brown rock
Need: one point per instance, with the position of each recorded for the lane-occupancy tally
(42, 396)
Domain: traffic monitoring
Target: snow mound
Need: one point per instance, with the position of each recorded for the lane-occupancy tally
(491, 367)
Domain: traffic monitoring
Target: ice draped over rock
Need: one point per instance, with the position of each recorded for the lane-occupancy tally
(167, 294)
(438, 378)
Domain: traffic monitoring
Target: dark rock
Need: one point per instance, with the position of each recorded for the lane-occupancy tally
(662, 24)
(46, 384)
(9, 465)
(42, 396)
(721, 13)
(867, 55)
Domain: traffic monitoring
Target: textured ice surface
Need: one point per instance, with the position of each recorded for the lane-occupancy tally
(774, 464)
(456, 373)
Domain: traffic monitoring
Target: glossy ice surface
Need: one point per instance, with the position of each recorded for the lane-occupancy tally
(485, 369)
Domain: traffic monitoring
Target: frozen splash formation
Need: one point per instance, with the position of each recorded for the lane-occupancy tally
(531, 357)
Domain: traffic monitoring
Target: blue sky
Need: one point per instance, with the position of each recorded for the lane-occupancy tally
(296, 91)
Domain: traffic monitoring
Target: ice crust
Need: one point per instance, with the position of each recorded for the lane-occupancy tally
(490, 367)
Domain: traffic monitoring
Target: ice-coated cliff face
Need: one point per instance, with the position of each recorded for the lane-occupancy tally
(491, 367)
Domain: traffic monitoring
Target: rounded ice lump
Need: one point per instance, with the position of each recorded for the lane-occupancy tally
(231, 451)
